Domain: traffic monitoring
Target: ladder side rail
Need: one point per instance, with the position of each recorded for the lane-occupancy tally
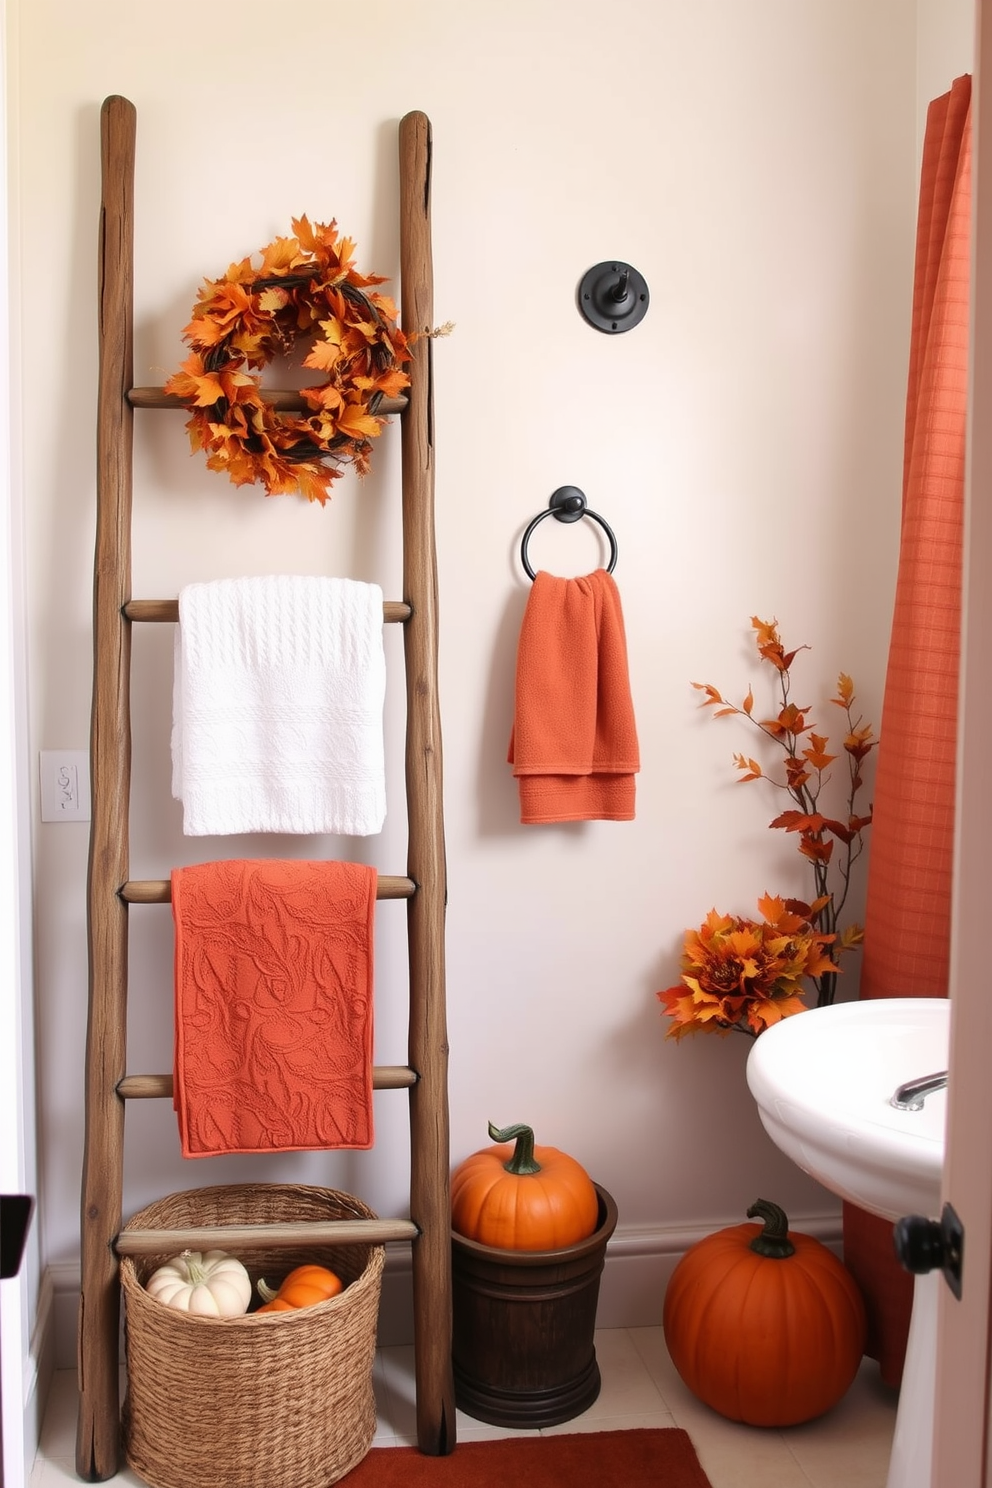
(98, 1431)
(428, 1041)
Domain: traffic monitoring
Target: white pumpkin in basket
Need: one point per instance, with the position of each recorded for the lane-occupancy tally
(208, 1283)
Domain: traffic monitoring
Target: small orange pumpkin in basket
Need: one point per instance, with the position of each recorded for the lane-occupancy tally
(303, 1287)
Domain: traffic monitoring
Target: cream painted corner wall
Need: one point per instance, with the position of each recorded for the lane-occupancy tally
(945, 50)
(757, 164)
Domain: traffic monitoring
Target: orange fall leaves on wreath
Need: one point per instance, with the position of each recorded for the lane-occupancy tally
(305, 286)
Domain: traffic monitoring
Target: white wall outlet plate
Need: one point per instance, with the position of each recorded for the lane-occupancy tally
(65, 785)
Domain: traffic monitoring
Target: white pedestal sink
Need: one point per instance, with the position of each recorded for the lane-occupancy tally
(823, 1081)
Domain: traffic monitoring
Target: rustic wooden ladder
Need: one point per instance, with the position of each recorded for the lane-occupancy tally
(111, 890)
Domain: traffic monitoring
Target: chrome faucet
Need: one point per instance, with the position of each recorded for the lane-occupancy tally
(910, 1097)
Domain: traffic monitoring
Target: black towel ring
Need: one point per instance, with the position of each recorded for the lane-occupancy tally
(567, 504)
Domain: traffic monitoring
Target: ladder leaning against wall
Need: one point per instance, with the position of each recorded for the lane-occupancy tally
(111, 891)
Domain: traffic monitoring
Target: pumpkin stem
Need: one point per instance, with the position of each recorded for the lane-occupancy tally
(265, 1291)
(773, 1241)
(194, 1271)
(522, 1161)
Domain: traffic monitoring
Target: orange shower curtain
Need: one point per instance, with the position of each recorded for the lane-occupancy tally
(908, 913)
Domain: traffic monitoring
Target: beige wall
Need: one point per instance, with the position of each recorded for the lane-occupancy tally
(757, 164)
(945, 48)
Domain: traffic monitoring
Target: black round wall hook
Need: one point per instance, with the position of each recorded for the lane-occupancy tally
(613, 297)
(567, 504)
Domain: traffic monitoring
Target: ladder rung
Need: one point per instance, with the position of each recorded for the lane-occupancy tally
(287, 400)
(152, 1087)
(159, 890)
(165, 610)
(260, 1237)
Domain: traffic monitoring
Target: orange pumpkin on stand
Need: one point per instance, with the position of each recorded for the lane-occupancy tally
(522, 1197)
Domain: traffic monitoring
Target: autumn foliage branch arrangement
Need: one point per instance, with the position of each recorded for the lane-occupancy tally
(745, 974)
(307, 286)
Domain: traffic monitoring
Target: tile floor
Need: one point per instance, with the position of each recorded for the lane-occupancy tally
(847, 1448)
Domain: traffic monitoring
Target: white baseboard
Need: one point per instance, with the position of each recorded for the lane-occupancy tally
(37, 1372)
(64, 1312)
(639, 1262)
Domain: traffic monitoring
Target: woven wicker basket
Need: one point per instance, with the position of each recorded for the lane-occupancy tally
(272, 1400)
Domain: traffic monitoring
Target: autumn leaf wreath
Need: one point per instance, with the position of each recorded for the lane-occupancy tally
(306, 286)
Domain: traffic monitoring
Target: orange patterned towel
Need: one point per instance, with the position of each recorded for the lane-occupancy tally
(273, 976)
(574, 744)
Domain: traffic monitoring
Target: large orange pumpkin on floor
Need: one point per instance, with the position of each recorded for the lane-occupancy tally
(764, 1327)
(522, 1197)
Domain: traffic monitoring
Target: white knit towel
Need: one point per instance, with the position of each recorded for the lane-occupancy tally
(278, 696)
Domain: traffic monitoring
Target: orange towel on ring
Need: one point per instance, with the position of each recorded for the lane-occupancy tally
(574, 744)
(273, 1006)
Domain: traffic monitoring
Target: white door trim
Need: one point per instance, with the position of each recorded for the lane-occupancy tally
(961, 1428)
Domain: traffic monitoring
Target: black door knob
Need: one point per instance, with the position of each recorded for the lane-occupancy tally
(924, 1245)
(919, 1244)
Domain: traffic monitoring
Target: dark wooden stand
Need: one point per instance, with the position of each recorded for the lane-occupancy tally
(523, 1327)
